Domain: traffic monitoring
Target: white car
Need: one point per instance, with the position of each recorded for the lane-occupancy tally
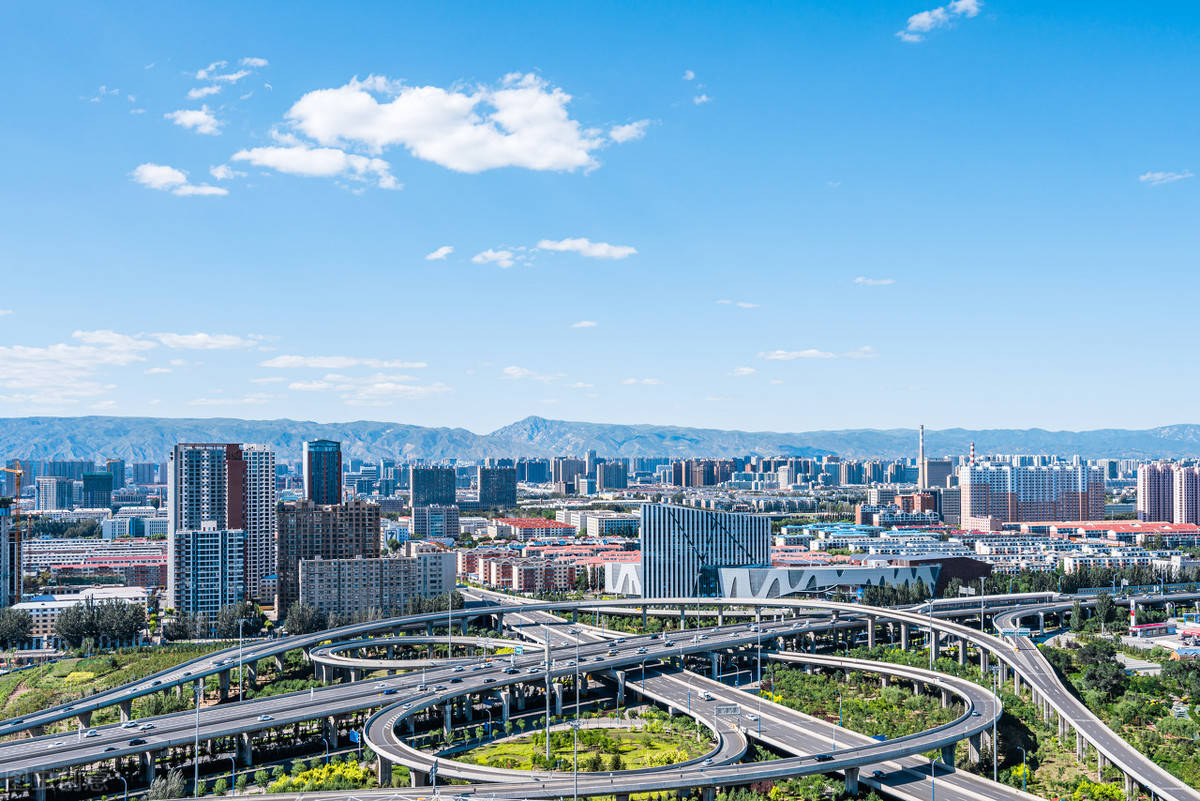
(146, 727)
(129, 724)
(379, 685)
(265, 717)
(91, 733)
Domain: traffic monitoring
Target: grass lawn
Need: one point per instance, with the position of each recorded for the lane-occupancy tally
(636, 748)
(27, 691)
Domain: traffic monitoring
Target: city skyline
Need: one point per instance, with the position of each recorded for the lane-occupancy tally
(705, 218)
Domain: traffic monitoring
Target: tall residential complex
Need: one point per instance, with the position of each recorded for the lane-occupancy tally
(994, 493)
(1185, 495)
(435, 521)
(431, 485)
(97, 490)
(497, 486)
(10, 559)
(117, 468)
(231, 487)
(390, 584)
(323, 471)
(53, 492)
(611, 476)
(1156, 492)
(208, 565)
(328, 531)
(683, 548)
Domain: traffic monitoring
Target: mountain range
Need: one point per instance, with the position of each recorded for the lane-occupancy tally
(150, 439)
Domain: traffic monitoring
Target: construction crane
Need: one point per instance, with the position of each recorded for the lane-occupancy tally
(15, 551)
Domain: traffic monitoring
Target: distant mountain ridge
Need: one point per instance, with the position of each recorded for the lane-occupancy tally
(150, 439)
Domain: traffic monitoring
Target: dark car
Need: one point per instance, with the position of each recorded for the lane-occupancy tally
(824, 757)
(390, 691)
(489, 680)
(110, 748)
(511, 670)
(456, 680)
(138, 741)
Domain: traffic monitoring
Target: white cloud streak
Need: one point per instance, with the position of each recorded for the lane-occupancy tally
(628, 133)
(200, 120)
(168, 179)
(1160, 178)
(587, 248)
(865, 352)
(585, 324)
(440, 254)
(320, 162)
(922, 23)
(375, 390)
(504, 258)
(862, 280)
(339, 363)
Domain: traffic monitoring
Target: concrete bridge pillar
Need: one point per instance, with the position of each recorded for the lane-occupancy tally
(983, 661)
(331, 732)
(720, 615)
(1100, 763)
(558, 698)
(621, 797)
(126, 708)
(851, 781)
(1080, 746)
(85, 718)
(975, 748)
(418, 778)
(1003, 672)
(962, 651)
(147, 766)
(758, 614)
(279, 662)
(1041, 621)
(683, 618)
(245, 752)
(708, 793)
(715, 659)
(1130, 787)
(904, 633)
(447, 719)
(948, 755)
(520, 691)
(39, 787)
(870, 631)
(505, 700)
(383, 771)
(945, 699)
(620, 674)
(223, 678)
(916, 687)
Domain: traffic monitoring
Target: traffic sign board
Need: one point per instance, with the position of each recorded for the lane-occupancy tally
(728, 710)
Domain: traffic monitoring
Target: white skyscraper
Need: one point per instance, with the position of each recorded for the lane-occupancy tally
(259, 521)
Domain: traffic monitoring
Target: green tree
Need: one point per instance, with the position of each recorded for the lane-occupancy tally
(168, 786)
(221, 786)
(1105, 607)
(615, 763)
(262, 778)
(228, 617)
(304, 619)
(1078, 623)
(109, 622)
(15, 626)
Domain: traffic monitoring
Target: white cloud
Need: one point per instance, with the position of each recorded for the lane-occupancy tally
(504, 258)
(64, 373)
(178, 362)
(375, 390)
(203, 75)
(169, 179)
(629, 132)
(158, 176)
(223, 172)
(585, 247)
(339, 363)
(585, 324)
(256, 63)
(521, 122)
(270, 379)
(923, 22)
(701, 99)
(646, 381)
(739, 371)
(5, 312)
(580, 385)
(202, 341)
(514, 372)
(864, 281)
(157, 370)
(200, 120)
(865, 352)
(321, 162)
(741, 304)
(251, 399)
(1159, 178)
(203, 91)
(230, 77)
(440, 253)
(688, 75)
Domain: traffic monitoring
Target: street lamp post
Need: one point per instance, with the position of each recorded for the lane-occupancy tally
(576, 724)
(1024, 768)
(196, 767)
(233, 775)
(932, 779)
(126, 785)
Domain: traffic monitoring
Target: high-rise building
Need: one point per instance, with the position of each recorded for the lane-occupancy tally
(208, 567)
(97, 490)
(995, 493)
(611, 476)
(258, 521)
(117, 468)
(565, 469)
(534, 471)
(327, 531)
(497, 486)
(1185, 498)
(431, 486)
(231, 487)
(1156, 492)
(10, 559)
(683, 548)
(323, 471)
(53, 492)
(144, 473)
(435, 521)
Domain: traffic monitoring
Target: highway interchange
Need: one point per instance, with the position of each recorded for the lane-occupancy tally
(892, 765)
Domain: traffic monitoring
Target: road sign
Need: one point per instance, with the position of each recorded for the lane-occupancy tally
(518, 650)
(1021, 632)
(728, 710)
(354, 735)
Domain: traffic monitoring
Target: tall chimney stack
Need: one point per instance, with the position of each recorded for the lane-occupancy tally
(921, 482)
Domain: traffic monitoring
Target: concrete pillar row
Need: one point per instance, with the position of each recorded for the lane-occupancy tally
(851, 781)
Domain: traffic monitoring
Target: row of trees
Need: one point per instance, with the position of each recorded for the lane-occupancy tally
(105, 624)
(305, 618)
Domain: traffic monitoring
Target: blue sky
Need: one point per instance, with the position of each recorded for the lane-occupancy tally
(755, 216)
